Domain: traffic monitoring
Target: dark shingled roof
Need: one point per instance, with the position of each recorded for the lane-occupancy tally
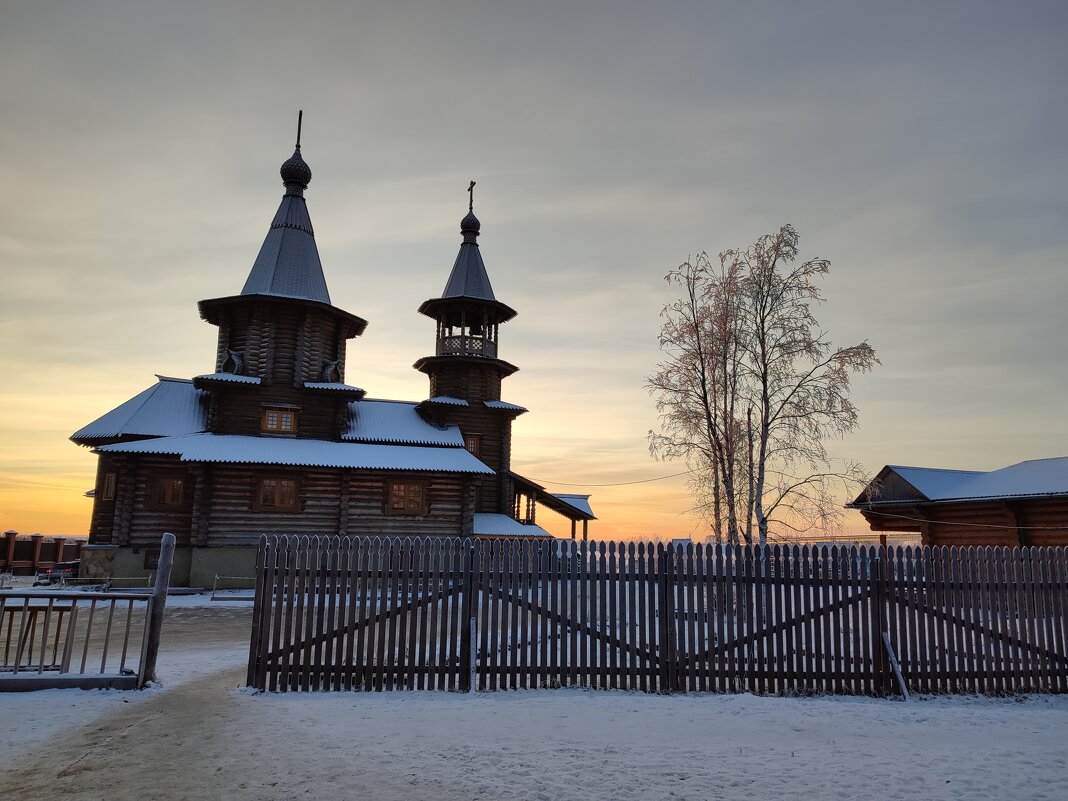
(288, 263)
(469, 278)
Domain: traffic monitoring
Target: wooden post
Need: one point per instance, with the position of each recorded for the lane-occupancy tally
(585, 532)
(36, 549)
(901, 686)
(879, 619)
(157, 603)
(468, 614)
(11, 535)
(666, 619)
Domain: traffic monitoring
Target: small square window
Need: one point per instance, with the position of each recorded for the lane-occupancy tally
(278, 421)
(406, 498)
(278, 493)
(167, 491)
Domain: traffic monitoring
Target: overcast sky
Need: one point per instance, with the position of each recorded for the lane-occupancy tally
(921, 147)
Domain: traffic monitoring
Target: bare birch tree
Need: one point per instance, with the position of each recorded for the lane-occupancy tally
(752, 389)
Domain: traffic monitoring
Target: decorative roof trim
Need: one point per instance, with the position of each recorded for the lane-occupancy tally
(511, 407)
(229, 378)
(444, 400)
(329, 386)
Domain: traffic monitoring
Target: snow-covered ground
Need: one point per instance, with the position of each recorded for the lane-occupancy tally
(201, 736)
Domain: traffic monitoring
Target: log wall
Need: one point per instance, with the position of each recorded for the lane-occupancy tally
(1020, 522)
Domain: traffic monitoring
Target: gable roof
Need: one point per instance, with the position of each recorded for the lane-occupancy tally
(1032, 478)
(170, 407)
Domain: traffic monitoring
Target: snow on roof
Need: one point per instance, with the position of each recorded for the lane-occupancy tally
(492, 404)
(239, 449)
(580, 502)
(169, 408)
(447, 401)
(933, 482)
(395, 421)
(494, 525)
(1034, 477)
(231, 378)
(331, 385)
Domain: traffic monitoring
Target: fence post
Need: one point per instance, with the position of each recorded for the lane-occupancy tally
(468, 618)
(666, 619)
(257, 675)
(156, 604)
(879, 594)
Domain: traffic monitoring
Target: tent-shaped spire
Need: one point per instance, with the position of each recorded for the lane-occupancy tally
(288, 263)
(469, 278)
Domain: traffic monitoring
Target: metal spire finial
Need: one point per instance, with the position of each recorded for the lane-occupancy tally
(471, 197)
(295, 172)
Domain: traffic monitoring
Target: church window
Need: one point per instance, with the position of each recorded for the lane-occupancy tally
(166, 491)
(278, 493)
(406, 498)
(278, 421)
(472, 442)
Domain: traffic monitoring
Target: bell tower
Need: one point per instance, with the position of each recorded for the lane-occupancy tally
(466, 369)
(466, 363)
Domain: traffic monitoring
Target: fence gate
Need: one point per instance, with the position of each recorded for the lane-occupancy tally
(360, 614)
(460, 614)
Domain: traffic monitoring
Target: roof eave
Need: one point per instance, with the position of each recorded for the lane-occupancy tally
(504, 312)
(210, 308)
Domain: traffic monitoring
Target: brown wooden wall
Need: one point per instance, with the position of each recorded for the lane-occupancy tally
(238, 409)
(138, 523)
(494, 428)
(1018, 522)
(465, 379)
(220, 508)
(281, 343)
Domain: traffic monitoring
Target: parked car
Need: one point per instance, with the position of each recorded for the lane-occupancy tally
(59, 572)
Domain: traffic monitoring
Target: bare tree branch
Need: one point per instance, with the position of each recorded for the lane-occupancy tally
(751, 389)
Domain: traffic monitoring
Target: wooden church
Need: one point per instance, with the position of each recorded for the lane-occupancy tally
(274, 440)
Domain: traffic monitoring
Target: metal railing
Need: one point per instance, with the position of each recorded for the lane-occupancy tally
(464, 345)
(72, 638)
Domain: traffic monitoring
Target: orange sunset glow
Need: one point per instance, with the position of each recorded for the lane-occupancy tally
(935, 201)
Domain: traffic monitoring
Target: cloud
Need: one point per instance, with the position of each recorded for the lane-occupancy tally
(919, 147)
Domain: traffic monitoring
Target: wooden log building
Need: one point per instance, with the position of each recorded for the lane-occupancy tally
(1023, 504)
(273, 439)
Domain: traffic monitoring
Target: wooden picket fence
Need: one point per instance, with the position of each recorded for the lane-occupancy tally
(462, 615)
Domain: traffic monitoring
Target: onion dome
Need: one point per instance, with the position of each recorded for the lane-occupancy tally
(296, 174)
(470, 223)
